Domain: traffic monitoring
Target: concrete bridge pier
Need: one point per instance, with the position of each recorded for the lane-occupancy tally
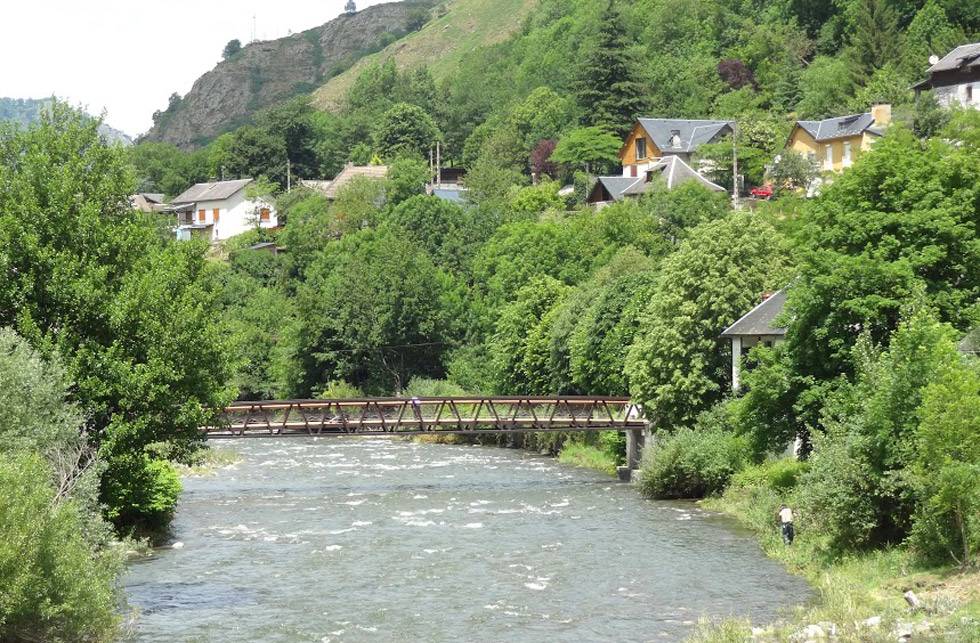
(636, 441)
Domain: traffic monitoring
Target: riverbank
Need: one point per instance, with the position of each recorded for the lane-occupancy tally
(860, 597)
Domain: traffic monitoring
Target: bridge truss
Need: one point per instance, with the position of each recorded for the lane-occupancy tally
(404, 416)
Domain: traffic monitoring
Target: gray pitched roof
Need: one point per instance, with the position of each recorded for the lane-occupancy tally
(674, 171)
(350, 172)
(759, 320)
(212, 191)
(970, 344)
(618, 185)
(963, 57)
(840, 126)
(692, 133)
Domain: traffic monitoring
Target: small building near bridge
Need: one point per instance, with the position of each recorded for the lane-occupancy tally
(758, 326)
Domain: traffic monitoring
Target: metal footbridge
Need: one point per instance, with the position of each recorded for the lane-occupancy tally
(414, 416)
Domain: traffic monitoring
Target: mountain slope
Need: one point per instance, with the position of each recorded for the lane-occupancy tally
(26, 111)
(265, 73)
(463, 26)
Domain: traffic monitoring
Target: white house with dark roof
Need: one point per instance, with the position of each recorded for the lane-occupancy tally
(672, 170)
(755, 327)
(655, 138)
(955, 78)
(221, 210)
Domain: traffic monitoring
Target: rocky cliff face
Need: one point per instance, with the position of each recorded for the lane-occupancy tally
(264, 73)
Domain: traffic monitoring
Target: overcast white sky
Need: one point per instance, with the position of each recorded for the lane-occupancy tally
(127, 56)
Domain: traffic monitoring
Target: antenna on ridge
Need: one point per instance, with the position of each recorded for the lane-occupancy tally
(255, 20)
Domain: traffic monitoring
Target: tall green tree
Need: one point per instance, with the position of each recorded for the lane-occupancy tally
(517, 347)
(929, 34)
(608, 88)
(406, 130)
(591, 148)
(678, 366)
(874, 37)
(901, 218)
(373, 312)
(126, 311)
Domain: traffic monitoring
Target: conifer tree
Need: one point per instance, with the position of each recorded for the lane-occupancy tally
(608, 88)
(929, 33)
(874, 37)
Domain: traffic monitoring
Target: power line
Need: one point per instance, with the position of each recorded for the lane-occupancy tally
(378, 348)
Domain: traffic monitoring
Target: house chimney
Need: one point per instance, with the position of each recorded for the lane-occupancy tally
(881, 114)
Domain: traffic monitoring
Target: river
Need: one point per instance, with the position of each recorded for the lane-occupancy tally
(383, 540)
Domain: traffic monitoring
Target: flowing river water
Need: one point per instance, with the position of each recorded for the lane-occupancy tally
(383, 540)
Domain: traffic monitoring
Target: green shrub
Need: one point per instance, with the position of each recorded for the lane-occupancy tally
(947, 468)
(426, 387)
(839, 492)
(33, 412)
(54, 586)
(145, 491)
(693, 463)
(339, 390)
(780, 475)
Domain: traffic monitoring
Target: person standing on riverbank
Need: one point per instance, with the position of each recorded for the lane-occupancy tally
(785, 515)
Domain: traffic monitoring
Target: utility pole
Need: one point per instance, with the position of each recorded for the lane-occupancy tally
(735, 165)
(289, 175)
(438, 163)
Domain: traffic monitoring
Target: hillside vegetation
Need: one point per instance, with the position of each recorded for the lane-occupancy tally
(462, 27)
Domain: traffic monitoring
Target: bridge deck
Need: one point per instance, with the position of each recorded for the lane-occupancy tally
(404, 416)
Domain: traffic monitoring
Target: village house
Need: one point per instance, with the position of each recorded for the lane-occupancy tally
(669, 171)
(330, 189)
(835, 143)
(955, 79)
(755, 327)
(655, 138)
(148, 202)
(221, 210)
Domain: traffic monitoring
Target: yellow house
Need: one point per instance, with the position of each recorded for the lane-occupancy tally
(655, 138)
(834, 143)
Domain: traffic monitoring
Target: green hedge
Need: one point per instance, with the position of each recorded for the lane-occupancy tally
(693, 464)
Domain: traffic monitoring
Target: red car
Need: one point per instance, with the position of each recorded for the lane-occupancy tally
(762, 192)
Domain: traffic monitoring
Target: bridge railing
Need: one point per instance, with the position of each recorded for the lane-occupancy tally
(381, 416)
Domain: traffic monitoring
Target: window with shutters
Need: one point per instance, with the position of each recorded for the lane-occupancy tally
(641, 148)
(264, 214)
(217, 214)
(201, 215)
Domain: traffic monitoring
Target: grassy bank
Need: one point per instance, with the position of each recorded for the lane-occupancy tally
(588, 456)
(861, 595)
(599, 457)
(209, 461)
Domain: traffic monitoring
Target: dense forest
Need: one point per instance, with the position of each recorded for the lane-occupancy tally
(118, 342)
